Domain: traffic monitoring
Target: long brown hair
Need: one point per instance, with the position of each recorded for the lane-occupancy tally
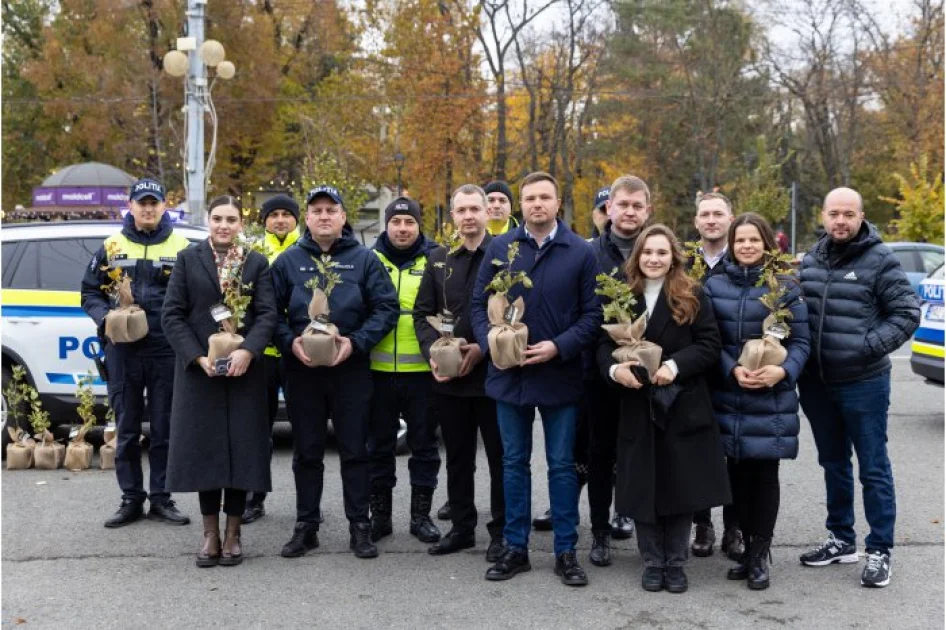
(679, 288)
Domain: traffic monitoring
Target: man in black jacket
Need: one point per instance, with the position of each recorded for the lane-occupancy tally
(712, 221)
(461, 402)
(861, 308)
(629, 209)
(364, 308)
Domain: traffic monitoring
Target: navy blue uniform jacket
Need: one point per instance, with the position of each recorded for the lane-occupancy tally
(363, 306)
(560, 307)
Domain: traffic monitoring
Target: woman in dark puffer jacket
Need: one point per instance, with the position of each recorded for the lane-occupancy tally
(757, 410)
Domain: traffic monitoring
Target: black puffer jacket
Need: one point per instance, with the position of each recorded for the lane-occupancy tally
(860, 307)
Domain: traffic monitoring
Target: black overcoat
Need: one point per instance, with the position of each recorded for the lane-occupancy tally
(220, 434)
(663, 472)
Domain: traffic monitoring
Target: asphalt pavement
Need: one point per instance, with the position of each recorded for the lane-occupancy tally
(62, 569)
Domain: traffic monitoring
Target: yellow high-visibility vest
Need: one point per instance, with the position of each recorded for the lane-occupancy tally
(274, 248)
(399, 351)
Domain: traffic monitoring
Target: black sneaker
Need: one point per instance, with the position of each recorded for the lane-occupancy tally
(831, 551)
(622, 527)
(305, 536)
(653, 579)
(877, 570)
(166, 511)
(675, 580)
(129, 512)
(567, 567)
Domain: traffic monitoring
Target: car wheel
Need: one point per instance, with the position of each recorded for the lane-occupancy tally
(401, 438)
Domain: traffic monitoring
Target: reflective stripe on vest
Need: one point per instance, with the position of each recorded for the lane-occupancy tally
(399, 351)
(274, 249)
(165, 251)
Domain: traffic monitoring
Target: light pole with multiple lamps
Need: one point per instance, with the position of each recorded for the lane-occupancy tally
(191, 62)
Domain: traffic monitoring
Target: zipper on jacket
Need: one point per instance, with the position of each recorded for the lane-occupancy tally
(824, 304)
(399, 271)
(742, 305)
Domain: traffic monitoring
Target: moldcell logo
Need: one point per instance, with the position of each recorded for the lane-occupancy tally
(43, 197)
(116, 196)
(77, 196)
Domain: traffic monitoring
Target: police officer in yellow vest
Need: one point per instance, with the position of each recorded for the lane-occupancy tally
(280, 217)
(499, 208)
(145, 250)
(402, 382)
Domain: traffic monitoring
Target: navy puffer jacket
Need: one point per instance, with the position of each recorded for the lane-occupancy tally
(755, 423)
(861, 305)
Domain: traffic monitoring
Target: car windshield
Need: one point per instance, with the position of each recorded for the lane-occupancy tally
(937, 274)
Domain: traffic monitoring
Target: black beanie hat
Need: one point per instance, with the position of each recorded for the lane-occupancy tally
(279, 202)
(402, 205)
(500, 187)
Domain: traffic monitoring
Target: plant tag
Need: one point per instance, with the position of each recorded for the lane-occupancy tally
(446, 323)
(73, 433)
(319, 324)
(779, 331)
(511, 315)
(220, 312)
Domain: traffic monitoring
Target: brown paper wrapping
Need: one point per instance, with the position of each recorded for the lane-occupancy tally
(507, 342)
(19, 454)
(222, 344)
(319, 346)
(48, 454)
(445, 352)
(78, 453)
(761, 352)
(127, 323)
(107, 452)
(633, 347)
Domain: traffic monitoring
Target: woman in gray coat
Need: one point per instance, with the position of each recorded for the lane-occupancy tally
(219, 429)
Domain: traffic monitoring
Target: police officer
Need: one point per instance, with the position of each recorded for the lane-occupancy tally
(402, 382)
(145, 250)
(364, 308)
(500, 200)
(280, 217)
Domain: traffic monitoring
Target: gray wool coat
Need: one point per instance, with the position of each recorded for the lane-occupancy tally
(220, 434)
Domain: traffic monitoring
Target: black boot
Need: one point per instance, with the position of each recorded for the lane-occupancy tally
(360, 541)
(759, 557)
(421, 525)
(741, 570)
(543, 523)
(305, 537)
(600, 554)
(443, 513)
(733, 544)
(380, 505)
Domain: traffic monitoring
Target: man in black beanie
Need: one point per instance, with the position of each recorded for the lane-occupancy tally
(280, 216)
(500, 200)
(402, 382)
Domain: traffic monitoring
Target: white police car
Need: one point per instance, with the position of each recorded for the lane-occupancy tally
(927, 347)
(44, 328)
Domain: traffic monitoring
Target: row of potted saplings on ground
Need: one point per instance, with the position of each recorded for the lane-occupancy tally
(508, 338)
(41, 449)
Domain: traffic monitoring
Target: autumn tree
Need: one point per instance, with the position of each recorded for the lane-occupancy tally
(919, 205)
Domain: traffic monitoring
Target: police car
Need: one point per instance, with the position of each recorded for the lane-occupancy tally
(44, 328)
(927, 357)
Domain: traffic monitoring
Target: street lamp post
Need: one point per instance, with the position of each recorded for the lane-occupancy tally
(191, 62)
(399, 163)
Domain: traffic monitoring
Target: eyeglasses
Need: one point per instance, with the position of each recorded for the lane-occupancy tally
(332, 212)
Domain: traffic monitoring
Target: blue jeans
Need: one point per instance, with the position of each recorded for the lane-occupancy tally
(515, 428)
(846, 415)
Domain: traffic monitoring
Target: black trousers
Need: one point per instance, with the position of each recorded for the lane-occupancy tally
(603, 410)
(234, 501)
(460, 417)
(665, 543)
(275, 379)
(310, 395)
(730, 515)
(406, 394)
(756, 494)
(130, 374)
